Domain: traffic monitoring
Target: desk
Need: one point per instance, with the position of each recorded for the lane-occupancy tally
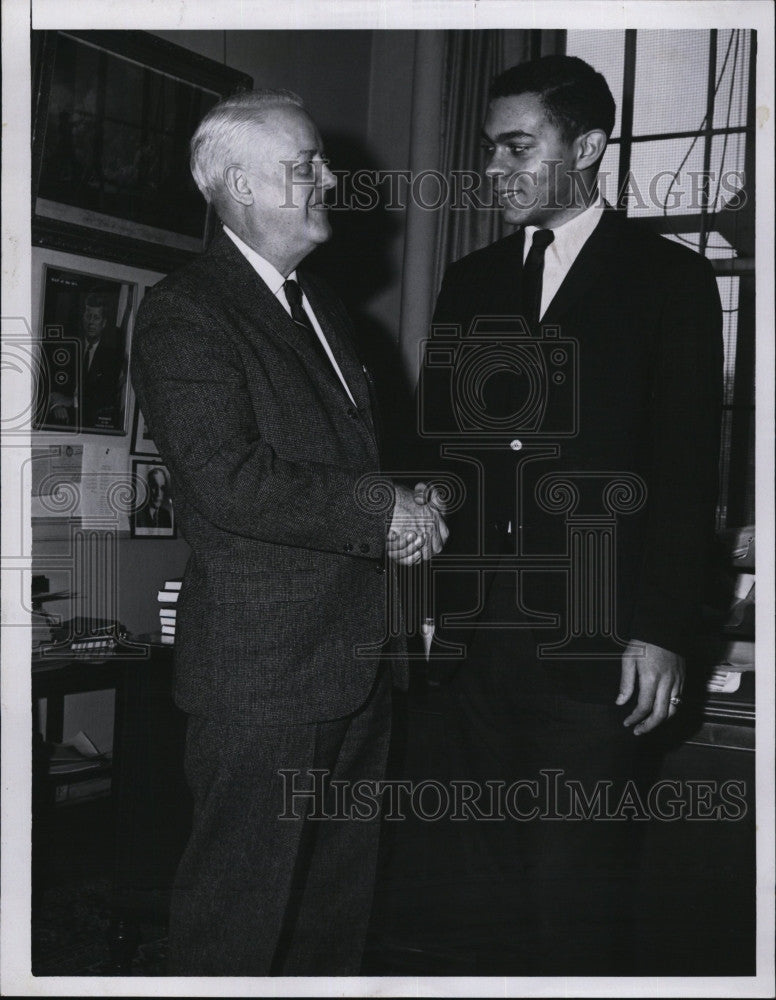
(152, 807)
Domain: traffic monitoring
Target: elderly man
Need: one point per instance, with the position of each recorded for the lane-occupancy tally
(261, 410)
(592, 349)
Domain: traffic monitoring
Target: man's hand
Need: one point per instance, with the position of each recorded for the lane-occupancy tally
(417, 530)
(59, 406)
(58, 414)
(660, 679)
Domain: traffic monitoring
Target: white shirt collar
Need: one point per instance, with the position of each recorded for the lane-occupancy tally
(268, 273)
(274, 280)
(571, 236)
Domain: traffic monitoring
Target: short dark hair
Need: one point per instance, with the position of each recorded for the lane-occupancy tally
(96, 300)
(575, 96)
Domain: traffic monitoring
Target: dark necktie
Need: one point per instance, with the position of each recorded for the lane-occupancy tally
(89, 353)
(293, 295)
(533, 270)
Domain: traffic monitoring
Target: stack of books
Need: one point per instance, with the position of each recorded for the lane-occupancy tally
(167, 600)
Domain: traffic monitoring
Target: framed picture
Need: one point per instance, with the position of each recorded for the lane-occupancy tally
(84, 333)
(153, 515)
(112, 118)
(142, 442)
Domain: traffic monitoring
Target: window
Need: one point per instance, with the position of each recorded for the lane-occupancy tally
(681, 159)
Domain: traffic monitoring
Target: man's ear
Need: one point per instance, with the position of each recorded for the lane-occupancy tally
(237, 184)
(590, 148)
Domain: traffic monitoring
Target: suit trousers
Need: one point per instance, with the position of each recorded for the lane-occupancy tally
(259, 895)
(571, 880)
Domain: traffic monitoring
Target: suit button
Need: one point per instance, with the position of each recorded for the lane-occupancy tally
(347, 547)
(352, 412)
(516, 445)
(363, 547)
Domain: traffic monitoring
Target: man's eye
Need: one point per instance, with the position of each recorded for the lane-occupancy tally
(304, 168)
(511, 148)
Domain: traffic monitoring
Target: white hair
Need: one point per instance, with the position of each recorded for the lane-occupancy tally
(221, 133)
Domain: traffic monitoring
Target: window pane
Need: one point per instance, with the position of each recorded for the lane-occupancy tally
(653, 189)
(607, 176)
(716, 244)
(728, 293)
(605, 51)
(726, 167)
(724, 469)
(671, 81)
(733, 54)
(749, 480)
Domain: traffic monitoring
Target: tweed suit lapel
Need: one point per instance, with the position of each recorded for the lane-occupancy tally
(341, 347)
(353, 371)
(246, 290)
(265, 315)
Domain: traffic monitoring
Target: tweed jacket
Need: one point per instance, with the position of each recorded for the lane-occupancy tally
(282, 613)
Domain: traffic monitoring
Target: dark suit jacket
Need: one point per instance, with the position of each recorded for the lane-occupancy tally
(645, 315)
(265, 450)
(99, 392)
(163, 518)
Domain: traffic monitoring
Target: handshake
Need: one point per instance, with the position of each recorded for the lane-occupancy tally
(417, 530)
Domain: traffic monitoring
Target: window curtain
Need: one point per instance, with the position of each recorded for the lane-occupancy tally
(472, 59)
(452, 75)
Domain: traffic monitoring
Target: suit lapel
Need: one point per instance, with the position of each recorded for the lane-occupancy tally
(344, 352)
(506, 277)
(263, 312)
(591, 266)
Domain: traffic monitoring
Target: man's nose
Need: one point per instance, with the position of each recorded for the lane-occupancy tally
(494, 166)
(326, 178)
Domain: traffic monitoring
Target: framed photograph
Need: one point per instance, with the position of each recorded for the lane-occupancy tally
(153, 515)
(85, 326)
(142, 442)
(113, 114)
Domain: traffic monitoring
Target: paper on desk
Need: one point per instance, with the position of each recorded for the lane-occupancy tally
(724, 681)
(77, 754)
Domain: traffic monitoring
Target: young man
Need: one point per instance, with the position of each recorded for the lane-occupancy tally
(592, 422)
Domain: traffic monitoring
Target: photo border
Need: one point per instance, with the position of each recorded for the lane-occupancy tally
(136, 447)
(154, 534)
(40, 426)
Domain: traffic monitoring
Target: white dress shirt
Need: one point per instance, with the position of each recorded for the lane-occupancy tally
(274, 280)
(570, 237)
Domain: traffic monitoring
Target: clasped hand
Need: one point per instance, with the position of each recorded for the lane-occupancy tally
(418, 530)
